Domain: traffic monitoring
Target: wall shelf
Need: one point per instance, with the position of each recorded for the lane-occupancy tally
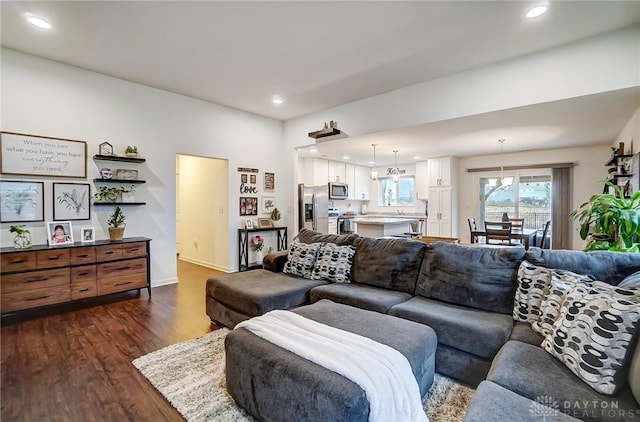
(324, 133)
(125, 181)
(119, 203)
(614, 159)
(118, 158)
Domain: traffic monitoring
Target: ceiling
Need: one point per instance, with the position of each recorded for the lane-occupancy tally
(317, 55)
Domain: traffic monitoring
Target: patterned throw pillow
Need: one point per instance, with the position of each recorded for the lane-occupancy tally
(593, 332)
(532, 282)
(560, 284)
(301, 258)
(334, 263)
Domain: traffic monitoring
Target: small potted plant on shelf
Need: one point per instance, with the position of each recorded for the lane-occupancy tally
(131, 151)
(275, 215)
(116, 224)
(23, 236)
(111, 194)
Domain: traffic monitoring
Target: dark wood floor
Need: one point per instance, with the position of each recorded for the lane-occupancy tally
(76, 365)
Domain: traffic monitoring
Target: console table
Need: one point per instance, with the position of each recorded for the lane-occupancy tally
(46, 275)
(243, 245)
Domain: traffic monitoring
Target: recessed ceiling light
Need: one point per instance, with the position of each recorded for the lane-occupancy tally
(371, 162)
(313, 150)
(416, 157)
(37, 21)
(346, 157)
(277, 99)
(537, 11)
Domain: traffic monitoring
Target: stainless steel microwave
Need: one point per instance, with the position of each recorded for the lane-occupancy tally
(338, 190)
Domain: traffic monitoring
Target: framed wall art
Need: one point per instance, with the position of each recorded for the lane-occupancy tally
(59, 233)
(71, 201)
(253, 179)
(21, 201)
(268, 204)
(248, 206)
(264, 223)
(126, 174)
(270, 181)
(34, 155)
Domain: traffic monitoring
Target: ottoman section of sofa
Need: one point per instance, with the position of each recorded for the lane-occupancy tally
(271, 383)
(232, 298)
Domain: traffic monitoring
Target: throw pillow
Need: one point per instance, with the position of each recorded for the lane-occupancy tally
(532, 282)
(334, 263)
(301, 258)
(631, 281)
(560, 284)
(593, 332)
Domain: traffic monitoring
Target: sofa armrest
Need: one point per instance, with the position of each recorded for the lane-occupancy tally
(275, 261)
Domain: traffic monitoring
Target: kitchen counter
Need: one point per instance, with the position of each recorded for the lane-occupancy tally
(381, 226)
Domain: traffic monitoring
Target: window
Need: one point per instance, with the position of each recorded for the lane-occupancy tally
(529, 197)
(400, 193)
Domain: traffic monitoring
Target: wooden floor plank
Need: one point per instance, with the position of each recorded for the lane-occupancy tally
(74, 363)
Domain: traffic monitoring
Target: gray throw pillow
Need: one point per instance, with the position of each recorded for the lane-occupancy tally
(631, 281)
(334, 263)
(301, 258)
(593, 333)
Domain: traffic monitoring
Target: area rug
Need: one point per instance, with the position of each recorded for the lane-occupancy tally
(189, 375)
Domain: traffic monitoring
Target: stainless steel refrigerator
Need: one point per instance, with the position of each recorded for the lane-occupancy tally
(313, 207)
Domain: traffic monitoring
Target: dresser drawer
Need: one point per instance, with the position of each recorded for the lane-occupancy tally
(25, 299)
(83, 273)
(108, 253)
(84, 289)
(122, 283)
(35, 280)
(18, 261)
(132, 250)
(53, 258)
(114, 269)
(85, 255)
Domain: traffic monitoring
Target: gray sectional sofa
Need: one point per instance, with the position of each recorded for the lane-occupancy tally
(466, 294)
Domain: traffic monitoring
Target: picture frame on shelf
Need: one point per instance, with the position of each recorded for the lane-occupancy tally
(265, 223)
(21, 201)
(71, 201)
(87, 234)
(248, 224)
(59, 233)
(126, 174)
(105, 148)
(46, 156)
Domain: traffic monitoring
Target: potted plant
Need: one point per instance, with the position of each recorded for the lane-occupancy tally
(131, 151)
(23, 236)
(111, 194)
(609, 221)
(116, 224)
(275, 214)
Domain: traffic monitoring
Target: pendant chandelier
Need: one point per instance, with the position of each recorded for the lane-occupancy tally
(374, 173)
(396, 170)
(503, 182)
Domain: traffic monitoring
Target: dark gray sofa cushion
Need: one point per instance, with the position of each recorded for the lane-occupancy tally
(531, 372)
(360, 296)
(256, 292)
(478, 277)
(522, 331)
(388, 263)
(610, 267)
(493, 403)
(462, 366)
(471, 330)
(310, 236)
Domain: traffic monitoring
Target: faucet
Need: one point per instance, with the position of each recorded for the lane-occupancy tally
(400, 212)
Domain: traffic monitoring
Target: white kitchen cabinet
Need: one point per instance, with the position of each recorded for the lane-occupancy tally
(422, 180)
(362, 177)
(350, 179)
(441, 212)
(336, 172)
(320, 171)
(441, 171)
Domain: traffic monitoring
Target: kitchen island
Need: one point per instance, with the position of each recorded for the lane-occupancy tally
(381, 226)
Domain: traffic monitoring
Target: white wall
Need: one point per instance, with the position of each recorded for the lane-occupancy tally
(587, 179)
(630, 135)
(43, 97)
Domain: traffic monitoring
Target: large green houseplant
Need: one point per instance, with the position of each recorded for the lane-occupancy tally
(609, 221)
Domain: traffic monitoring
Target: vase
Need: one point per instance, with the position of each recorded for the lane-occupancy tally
(116, 233)
(22, 241)
(259, 257)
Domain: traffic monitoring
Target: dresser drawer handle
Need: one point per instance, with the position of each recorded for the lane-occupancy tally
(108, 252)
(134, 249)
(35, 280)
(122, 284)
(122, 268)
(37, 298)
(83, 290)
(18, 261)
(54, 258)
(84, 273)
(84, 255)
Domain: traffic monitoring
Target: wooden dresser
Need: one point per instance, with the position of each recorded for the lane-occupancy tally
(45, 275)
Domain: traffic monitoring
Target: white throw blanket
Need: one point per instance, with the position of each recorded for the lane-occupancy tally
(383, 373)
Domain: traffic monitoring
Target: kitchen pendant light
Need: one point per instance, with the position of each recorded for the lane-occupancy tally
(374, 173)
(396, 170)
(503, 182)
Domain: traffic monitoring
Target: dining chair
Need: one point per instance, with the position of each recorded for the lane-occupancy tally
(517, 223)
(545, 232)
(498, 232)
(473, 226)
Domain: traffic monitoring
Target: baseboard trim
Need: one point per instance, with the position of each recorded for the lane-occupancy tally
(207, 264)
(166, 281)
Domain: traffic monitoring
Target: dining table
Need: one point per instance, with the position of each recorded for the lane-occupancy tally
(517, 234)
